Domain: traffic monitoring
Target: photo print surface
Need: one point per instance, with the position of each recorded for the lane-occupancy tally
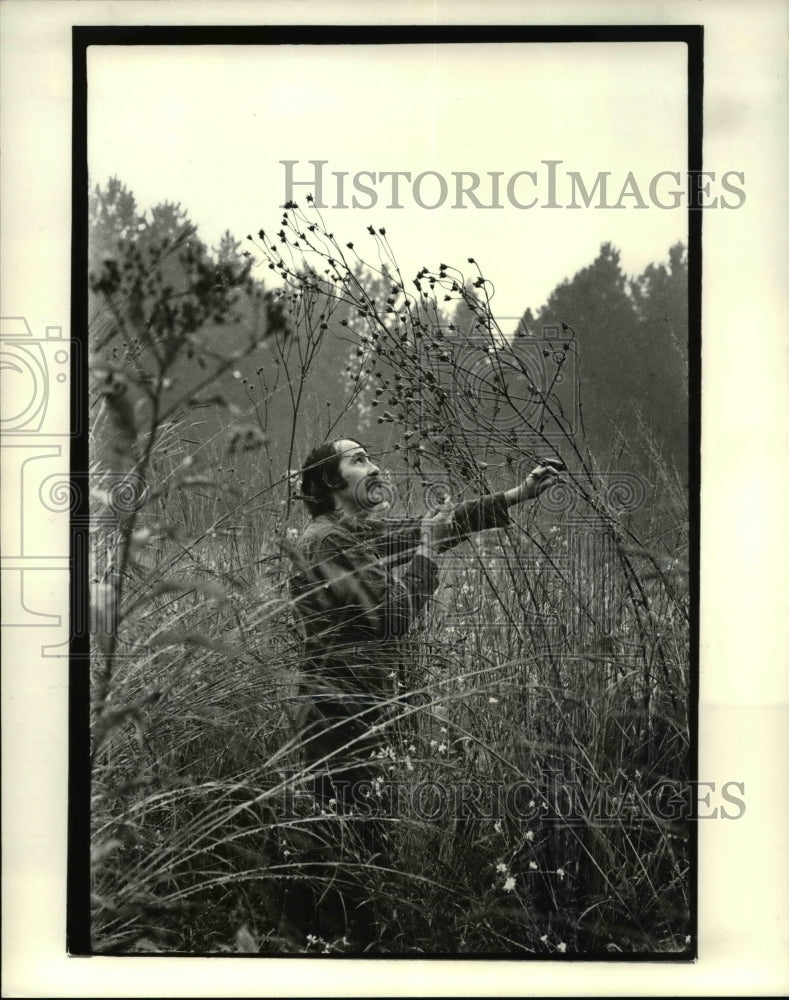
(392, 417)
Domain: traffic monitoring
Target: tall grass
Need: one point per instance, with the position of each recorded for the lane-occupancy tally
(547, 690)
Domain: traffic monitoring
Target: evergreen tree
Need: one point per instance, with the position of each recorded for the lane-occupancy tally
(631, 339)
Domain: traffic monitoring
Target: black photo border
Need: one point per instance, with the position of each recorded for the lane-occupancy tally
(78, 936)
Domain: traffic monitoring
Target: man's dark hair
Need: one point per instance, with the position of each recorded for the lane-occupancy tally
(320, 476)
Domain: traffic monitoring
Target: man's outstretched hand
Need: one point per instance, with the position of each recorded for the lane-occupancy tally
(539, 479)
(439, 527)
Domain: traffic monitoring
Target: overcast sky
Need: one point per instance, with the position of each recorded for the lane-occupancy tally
(208, 126)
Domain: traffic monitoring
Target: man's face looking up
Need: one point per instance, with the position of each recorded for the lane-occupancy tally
(360, 475)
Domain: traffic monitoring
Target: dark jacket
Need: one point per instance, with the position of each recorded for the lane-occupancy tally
(357, 588)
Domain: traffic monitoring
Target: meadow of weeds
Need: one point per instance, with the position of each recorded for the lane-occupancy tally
(542, 752)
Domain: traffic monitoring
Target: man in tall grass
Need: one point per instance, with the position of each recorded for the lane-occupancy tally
(359, 583)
